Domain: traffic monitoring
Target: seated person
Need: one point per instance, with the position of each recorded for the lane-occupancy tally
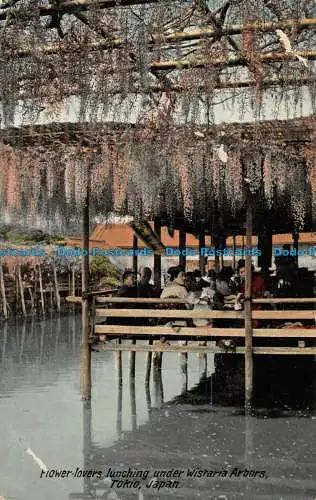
(128, 288)
(201, 283)
(175, 288)
(144, 288)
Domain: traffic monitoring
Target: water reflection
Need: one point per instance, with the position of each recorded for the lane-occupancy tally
(184, 415)
(192, 431)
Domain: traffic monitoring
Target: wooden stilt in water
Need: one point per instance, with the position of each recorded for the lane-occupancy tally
(56, 287)
(182, 243)
(148, 365)
(184, 371)
(85, 346)
(87, 447)
(133, 403)
(202, 365)
(157, 381)
(119, 372)
(148, 399)
(132, 361)
(21, 291)
(40, 279)
(248, 309)
(3, 294)
(157, 258)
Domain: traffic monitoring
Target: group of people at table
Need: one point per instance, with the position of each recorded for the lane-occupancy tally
(223, 287)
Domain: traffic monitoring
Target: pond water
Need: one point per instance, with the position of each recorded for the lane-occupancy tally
(176, 424)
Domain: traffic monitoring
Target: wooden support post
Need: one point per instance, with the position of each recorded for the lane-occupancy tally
(56, 287)
(157, 258)
(296, 237)
(201, 257)
(265, 246)
(182, 243)
(85, 346)
(248, 309)
(21, 291)
(135, 259)
(234, 252)
(3, 294)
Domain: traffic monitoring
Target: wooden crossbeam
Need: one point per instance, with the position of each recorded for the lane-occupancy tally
(163, 313)
(202, 331)
(139, 300)
(203, 349)
(209, 314)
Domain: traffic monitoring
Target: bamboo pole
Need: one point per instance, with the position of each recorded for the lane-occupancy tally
(172, 38)
(157, 257)
(41, 288)
(231, 61)
(4, 299)
(21, 290)
(69, 7)
(248, 309)
(182, 243)
(85, 346)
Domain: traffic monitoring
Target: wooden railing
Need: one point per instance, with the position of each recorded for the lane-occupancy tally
(108, 307)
